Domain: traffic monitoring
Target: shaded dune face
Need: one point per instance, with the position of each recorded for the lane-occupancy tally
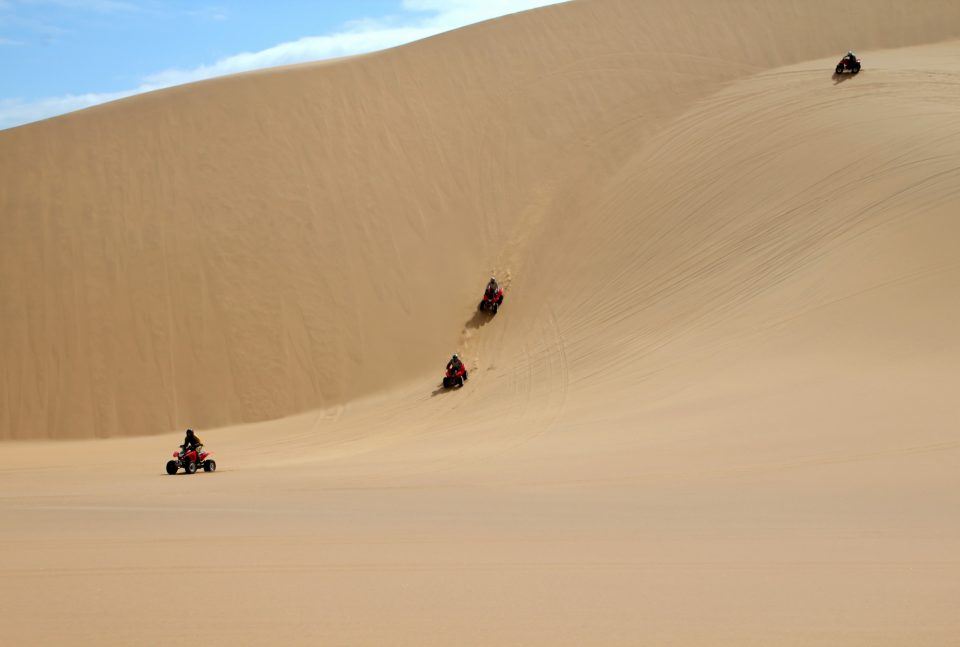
(252, 247)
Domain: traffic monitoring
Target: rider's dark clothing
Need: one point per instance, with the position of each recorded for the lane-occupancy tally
(192, 442)
(454, 365)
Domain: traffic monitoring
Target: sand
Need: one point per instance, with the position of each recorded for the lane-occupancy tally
(717, 408)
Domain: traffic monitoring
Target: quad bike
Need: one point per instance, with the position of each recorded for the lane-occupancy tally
(491, 302)
(190, 459)
(455, 378)
(846, 66)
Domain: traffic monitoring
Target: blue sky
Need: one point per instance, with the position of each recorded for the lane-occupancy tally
(63, 55)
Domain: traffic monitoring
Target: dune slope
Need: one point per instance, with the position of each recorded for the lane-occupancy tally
(717, 408)
(271, 243)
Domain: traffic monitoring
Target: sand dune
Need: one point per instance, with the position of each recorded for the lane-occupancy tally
(717, 408)
(271, 243)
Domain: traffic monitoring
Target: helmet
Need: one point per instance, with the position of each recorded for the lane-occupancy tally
(850, 53)
(454, 356)
(189, 432)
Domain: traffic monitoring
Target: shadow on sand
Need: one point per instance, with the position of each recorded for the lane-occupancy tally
(440, 390)
(840, 78)
(478, 320)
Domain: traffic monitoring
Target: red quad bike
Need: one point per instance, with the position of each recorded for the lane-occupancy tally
(846, 66)
(455, 378)
(190, 459)
(491, 302)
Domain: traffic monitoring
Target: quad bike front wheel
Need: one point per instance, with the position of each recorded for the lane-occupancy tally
(210, 466)
(171, 467)
(191, 468)
(839, 69)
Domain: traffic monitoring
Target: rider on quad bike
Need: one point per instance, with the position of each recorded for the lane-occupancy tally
(849, 62)
(456, 373)
(191, 456)
(492, 296)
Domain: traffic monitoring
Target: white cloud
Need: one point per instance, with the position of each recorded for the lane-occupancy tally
(311, 48)
(14, 112)
(421, 18)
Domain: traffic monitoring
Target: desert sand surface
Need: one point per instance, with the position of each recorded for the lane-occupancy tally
(719, 406)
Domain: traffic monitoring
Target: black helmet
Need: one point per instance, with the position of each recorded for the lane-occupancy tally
(189, 432)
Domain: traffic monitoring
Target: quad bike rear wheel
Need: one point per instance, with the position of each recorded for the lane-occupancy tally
(210, 466)
(191, 468)
(171, 467)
